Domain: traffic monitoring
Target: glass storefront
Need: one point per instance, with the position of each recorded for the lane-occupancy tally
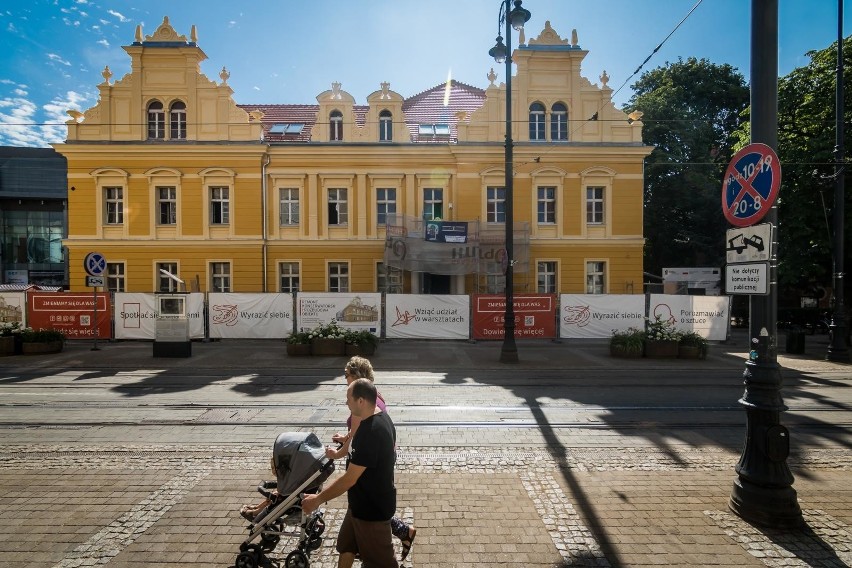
(31, 233)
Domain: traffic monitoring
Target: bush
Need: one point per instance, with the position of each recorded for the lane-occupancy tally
(629, 341)
(361, 337)
(300, 337)
(29, 335)
(10, 328)
(692, 339)
(662, 330)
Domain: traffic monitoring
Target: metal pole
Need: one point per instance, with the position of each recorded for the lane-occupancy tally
(837, 350)
(95, 322)
(509, 350)
(763, 492)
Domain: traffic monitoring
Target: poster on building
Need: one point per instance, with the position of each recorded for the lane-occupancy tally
(535, 316)
(12, 308)
(596, 316)
(705, 315)
(136, 315)
(359, 311)
(72, 314)
(427, 316)
(250, 316)
(21, 277)
(446, 231)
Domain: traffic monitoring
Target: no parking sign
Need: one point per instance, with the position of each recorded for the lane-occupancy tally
(751, 185)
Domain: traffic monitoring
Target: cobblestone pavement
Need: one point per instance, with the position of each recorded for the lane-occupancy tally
(149, 505)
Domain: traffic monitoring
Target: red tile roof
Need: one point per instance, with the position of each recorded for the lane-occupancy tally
(423, 108)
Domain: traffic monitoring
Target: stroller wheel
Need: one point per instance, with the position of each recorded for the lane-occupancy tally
(314, 543)
(297, 559)
(246, 560)
(268, 542)
(316, 527)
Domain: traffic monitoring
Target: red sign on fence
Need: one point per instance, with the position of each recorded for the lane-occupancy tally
(72, 314)
(535, 316)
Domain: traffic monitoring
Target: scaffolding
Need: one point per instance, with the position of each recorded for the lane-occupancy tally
(414, 245)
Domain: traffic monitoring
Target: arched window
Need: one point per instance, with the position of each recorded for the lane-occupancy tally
(537, 121)
(385, 126)
(156, 121)
(559, 122)
(177, 120)
(335, 121)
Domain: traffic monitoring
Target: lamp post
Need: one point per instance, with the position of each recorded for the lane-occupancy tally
(514, 18)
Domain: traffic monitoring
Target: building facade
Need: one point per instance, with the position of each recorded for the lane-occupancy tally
(168, 175)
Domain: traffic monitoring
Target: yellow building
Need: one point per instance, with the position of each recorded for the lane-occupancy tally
(167, 174)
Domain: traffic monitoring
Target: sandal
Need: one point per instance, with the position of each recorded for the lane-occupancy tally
(248, 513)
(406, 544)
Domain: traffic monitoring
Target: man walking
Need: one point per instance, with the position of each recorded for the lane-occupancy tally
(368, 482)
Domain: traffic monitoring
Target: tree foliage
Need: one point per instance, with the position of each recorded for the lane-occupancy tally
(691, 110)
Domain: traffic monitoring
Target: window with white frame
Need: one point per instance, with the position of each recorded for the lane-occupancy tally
(114, 198)
(558, 123)
(335, 123)
(385, 204)
(289, 275)
(595, 205)
(433, 203)
(338, 277)
(220, 276)
(546, 205)
(115, 277)
(496, 205)
(156, 121)
(385, 126)
(288, 206)
(546, 277)
(219, 206)
(167, 204)
(164, 282)
(537, 122)
(338, 207)
(177, 121)
(595, 277)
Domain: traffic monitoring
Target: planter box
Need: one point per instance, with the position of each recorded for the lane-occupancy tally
(360, 350)
(661, 349)
(623, 353)
(299, 349)
(690, 352)
(7, 346)
(41, 348)
(328, 347)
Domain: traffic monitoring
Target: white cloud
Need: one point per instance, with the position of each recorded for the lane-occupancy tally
(256, 88)
(118, 15)
(82, 1)
(104, 22)
(103, 42)
(58, 59)
(20, 125)
(54, 129)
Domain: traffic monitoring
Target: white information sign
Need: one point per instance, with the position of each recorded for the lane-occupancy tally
(250, 316)
(350, 310)
(591, 316)
(426, 316)
(749, 244)
(705, 315)
(747, 278)
(136, 315)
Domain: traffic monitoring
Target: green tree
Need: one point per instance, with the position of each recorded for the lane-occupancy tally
(691, 109)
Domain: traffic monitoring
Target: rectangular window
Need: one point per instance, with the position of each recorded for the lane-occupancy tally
(167, 203)
(288, 206)
(164, 282)
(289, 277)
(433, 204)
(114, 197)
(496, 206)
(595, 205)
(220, 276)
(115, 276)
(595, 277)
(547, 277)
(219, 206)
(338, 208)
(385, 204)
(546, 205)
(338, 277)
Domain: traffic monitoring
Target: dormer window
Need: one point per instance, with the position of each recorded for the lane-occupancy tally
(287, 128)
(434, 130)
(385, 126)
(177, 120)
(537, 122)
(156, 121)
(335, 122)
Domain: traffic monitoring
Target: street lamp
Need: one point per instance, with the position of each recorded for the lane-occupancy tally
(514, 18)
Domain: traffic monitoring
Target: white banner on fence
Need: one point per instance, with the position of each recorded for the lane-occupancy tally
(250, 316)
(427, 316)
(136, 315)
(13, 307)
(705, 315)
(350, 310)
(593, 316)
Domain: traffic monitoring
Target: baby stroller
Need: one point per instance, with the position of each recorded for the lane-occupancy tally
(300, 467)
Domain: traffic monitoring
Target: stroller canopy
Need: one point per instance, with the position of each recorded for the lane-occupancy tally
(297, 456)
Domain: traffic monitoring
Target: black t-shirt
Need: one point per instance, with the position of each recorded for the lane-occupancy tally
(373, 497)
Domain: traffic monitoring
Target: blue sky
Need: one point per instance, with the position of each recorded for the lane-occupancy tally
(52, 52)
